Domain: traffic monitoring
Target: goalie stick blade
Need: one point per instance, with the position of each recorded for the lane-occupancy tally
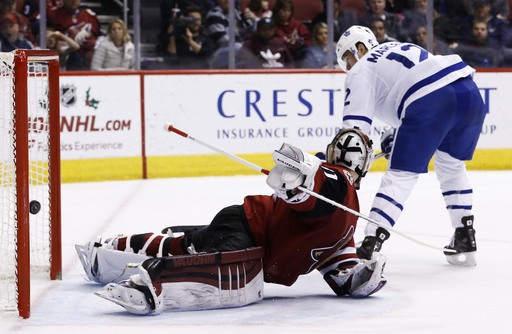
(182, 228)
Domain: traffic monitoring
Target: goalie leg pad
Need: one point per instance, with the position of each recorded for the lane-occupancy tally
(103, 264)
(368, 278)
(117, 266)
(362, 280)
(191, 282)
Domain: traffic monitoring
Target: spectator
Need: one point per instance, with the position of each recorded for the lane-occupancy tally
(500, 8)
(63, 44)
(393, 22)
(52, 4)
(30, 10)
(378, 27)
(397, 6)
(188, 46)
(25, 28)
(10, 36)
(258, 50)
(82, 25)
(171, 10)
(342, 20)
(116, 51)
(257, 10)
(480, 51)
(217, 23)
(448, 24)
(414, 18)
(316, 55)
(439, 47)
(220, 58)
(356, 7)
(290, 30)
(498, 30)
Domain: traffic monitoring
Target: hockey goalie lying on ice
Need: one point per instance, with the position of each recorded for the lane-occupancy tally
(272, 239)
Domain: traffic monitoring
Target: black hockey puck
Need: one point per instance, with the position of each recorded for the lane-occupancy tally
(35, 207)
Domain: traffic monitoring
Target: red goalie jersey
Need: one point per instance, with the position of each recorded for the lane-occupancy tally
(298, 238)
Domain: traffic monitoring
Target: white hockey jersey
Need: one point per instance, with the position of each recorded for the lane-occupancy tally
(391, 76)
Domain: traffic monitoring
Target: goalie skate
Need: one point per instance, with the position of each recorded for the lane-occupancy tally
(127, 296)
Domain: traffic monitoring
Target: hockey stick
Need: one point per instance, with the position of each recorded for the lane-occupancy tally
(171, 128)
(182, 228)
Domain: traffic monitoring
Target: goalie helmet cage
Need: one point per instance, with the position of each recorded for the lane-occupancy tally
(30, 243)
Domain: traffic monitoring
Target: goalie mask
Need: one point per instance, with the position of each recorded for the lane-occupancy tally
(351, 149)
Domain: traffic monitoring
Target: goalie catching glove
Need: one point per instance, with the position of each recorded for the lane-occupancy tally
(293, 168)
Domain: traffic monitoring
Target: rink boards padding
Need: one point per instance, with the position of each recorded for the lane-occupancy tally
(216, 165)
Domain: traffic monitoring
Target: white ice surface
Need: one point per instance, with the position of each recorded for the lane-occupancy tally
(424, 293)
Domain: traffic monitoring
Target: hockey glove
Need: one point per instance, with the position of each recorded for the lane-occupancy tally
(386, 141)
(293, 168)
(362, 280)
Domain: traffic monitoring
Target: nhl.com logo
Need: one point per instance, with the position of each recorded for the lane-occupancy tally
(68, 95)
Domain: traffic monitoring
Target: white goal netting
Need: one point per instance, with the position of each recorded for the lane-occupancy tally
(11, 154)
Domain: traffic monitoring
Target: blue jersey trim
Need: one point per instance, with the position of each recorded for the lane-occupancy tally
(458, 192)
(358, 118)
(384, 215)
(390, 200)
(427, 81)
(459, 207)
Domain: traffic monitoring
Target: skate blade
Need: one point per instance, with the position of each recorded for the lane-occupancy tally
(462, 259)
(106, 294)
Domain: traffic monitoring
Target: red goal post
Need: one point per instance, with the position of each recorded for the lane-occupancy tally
(29, 173)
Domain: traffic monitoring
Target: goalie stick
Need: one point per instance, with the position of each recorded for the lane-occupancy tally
(182, 228)
(171, 128)
(379, 155)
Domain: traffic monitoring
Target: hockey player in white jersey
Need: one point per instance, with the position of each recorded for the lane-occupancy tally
(434, 109)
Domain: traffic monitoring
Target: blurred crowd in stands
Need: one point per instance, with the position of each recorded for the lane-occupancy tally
(194, 34)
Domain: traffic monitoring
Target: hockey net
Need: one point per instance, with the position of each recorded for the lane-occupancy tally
(30, 243)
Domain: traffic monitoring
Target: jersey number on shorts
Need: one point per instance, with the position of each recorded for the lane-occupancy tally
(406, 61)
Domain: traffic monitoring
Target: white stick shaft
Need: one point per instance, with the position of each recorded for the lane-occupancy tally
(249, 164)
(171, 128)
(360, 215)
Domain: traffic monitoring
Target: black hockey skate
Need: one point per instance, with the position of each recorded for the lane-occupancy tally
(463, 244)
(372, 244)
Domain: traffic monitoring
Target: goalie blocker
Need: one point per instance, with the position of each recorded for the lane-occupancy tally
(191, 282)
